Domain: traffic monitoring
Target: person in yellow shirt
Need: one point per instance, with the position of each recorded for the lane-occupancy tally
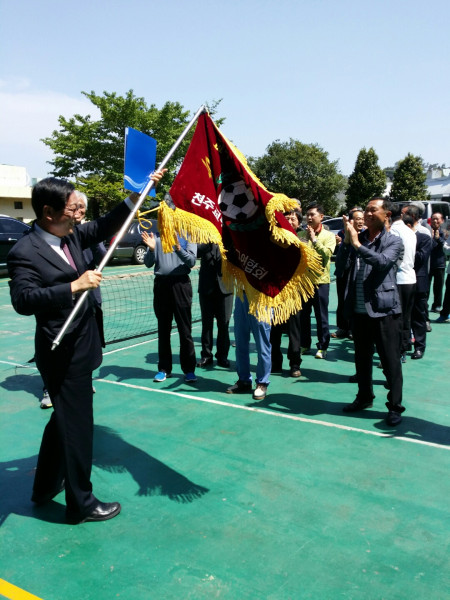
(323, 242)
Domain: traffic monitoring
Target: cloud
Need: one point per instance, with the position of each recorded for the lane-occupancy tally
(27, 116)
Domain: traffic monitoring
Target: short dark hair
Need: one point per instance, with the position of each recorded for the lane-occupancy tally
(357, 209)
(413, 211)
(386, 203)
(408, 219)
(51, 192)
(396, 211)
(317, 206)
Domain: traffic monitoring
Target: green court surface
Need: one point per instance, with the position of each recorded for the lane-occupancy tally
(224, 497)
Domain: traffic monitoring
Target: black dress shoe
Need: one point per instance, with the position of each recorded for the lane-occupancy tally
(393, 418)
(225, 363)
(357, 405)
(204, 362)
(102, 512)
(417, 354)
(44, 498)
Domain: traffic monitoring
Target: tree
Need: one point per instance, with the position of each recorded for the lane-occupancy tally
(91, 152)
(300, 171)
(409, 180)
(366, 181)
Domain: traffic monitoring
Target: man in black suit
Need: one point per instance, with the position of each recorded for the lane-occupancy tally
(411, 216)
(372, 301)
(216, 302)
(48, 271)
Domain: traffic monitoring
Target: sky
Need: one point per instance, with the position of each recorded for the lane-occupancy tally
(341, 74)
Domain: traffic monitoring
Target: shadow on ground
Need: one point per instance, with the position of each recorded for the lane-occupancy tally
(111, 453)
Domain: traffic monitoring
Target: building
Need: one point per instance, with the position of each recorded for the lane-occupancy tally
(15, 193)
(438, 184)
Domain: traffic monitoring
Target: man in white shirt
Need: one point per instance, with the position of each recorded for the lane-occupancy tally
(406, 276)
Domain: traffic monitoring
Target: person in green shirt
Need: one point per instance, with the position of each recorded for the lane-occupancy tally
(323, 242)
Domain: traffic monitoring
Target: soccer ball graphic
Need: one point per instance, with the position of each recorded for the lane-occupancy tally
(237, 202)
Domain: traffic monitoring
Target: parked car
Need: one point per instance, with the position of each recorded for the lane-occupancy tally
(131, 245)
(431, 207)
(11, 230)
(334, 225)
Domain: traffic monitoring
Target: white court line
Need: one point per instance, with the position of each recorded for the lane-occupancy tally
(142, 343)
(11, 364)
(276, 414)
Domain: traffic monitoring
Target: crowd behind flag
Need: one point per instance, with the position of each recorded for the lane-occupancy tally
(217, 198)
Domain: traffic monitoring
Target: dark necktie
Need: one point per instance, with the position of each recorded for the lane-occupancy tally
(65, 249)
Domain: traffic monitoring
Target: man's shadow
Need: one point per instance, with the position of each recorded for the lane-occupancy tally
(29, 382)
(410, 427)
(111, 453)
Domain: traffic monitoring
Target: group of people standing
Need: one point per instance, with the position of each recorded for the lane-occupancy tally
(378, 303)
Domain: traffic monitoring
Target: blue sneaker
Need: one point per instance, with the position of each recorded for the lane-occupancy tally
(160, 376)
(190, 378)
(443, 319)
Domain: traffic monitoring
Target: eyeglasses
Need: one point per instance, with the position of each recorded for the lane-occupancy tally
(75, 208)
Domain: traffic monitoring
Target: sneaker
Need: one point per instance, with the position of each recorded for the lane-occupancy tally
(304, 350)
(240, 387)
(190, 378)
(160, 376)
(428, 327)
(93, 390)
(260, 391)
(443, 319)
(436, 309)
(46, 402)
(403, 359)
(321, 353)
(339, 334)
(295, 372)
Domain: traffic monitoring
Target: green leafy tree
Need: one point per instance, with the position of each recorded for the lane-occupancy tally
(366, 181)
(300, 171)
(91, 151)
(409, 180)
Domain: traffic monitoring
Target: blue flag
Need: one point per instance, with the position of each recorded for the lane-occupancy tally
(140, 160)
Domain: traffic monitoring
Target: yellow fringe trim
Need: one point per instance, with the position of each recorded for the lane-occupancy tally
(281, 203)
(189, 226)
(289, 301)
(265, 308)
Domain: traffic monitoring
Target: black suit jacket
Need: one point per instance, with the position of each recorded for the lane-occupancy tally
(40, 286)
(210, 274)
(422, 261)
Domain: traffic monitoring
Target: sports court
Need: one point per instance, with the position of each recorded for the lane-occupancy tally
(222, 497)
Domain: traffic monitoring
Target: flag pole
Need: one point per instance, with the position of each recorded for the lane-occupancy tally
(125, 226)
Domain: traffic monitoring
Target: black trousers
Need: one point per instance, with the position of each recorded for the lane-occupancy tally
(384, 334)
(437, 277)
(219, 306)
(406, 292)
(292, 328)
(319, 302)
(341, 321)
(445, 312)
(66, 447)
(419, 320)
(172, 298)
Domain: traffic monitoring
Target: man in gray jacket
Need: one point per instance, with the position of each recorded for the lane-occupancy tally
(172, 298)
(372, 302)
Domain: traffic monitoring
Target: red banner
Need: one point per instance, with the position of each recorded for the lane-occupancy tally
(219, 199)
